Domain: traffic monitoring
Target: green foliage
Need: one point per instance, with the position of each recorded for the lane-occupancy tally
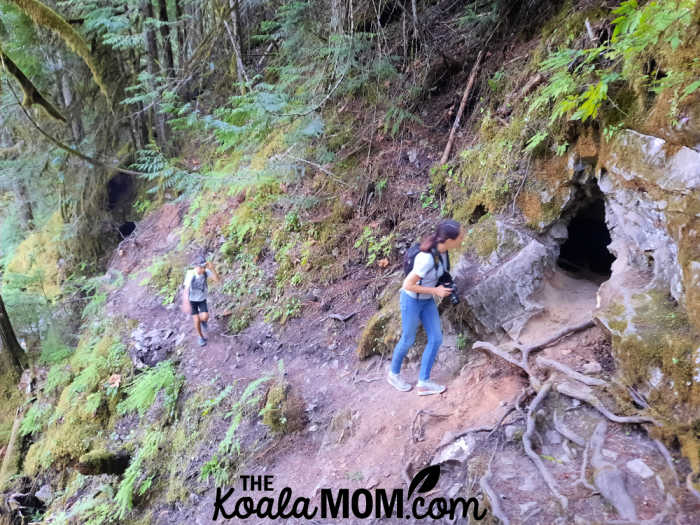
(164, 277)
(396, 118)
(581, 80)
(134, 478)
(57, 377)
(35, 419)
(163, 174)
(373, 247)
(226, 457)
(53, 349)
(142, 391)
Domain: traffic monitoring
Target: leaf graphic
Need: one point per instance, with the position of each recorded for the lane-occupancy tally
(429, 476)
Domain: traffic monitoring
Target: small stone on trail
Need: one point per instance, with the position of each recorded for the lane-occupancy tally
(609, 454)
(638, 467)
(592, 368)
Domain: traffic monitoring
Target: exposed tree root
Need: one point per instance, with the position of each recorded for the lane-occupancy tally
(561, 333)
(567, 432)
(527, 443)
(417, 431)
(584, 393)
(608, 479)
(584, 465)
(550, 363)
(490, 493)
(689, 485)
(669, 461)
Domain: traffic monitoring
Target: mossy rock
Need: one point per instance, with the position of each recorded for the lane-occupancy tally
(383, 331)
(103, 462)
(284, 410)
(37, 259)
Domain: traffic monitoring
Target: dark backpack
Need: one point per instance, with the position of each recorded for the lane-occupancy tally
(414, 250)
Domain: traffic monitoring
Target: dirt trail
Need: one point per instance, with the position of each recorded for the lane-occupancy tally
(360, 431)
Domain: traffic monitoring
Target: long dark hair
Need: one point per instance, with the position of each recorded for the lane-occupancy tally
(446, 229)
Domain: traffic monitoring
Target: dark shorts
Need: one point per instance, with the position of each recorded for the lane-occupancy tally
(198, 307)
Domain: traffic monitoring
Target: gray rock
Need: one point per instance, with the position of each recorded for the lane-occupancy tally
(511, 431)
(592, 368)
(527, 507)
(45, 493)
(553, 437)
(639, 468)
(498, 295)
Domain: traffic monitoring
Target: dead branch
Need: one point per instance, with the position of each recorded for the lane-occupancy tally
(550, 363)
(567, 432)
(500, 421)
(527, 443)
(462, 104)
(584, 393)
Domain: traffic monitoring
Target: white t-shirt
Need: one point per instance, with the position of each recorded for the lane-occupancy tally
(198, 287)
(424, 267)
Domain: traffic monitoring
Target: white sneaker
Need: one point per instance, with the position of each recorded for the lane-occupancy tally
(398, 383)
(425, 388)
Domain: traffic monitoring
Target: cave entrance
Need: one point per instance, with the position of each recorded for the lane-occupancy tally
(585, 250)
(121, 192)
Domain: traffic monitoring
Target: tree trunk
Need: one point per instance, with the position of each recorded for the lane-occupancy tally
(151, 66)
(25, 205)
(11, 354)
(165, 33)
(182, 56)
(236, 41)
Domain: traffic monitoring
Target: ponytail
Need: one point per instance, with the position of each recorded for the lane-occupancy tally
(446, 229)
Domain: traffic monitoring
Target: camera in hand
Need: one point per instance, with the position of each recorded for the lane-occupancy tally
(446, 280)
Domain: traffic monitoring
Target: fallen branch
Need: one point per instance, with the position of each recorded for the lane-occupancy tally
(550, 363)
(462, 104)
(527, 443)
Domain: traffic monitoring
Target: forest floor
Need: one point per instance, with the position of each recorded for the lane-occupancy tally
(359, 431)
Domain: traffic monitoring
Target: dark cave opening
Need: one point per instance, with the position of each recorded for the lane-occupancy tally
(127, 228)
(120, 190)
(585, 249)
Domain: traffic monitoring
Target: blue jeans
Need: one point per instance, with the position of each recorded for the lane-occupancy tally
(412, 311)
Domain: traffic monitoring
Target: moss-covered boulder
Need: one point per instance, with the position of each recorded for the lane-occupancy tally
(103, 462)
(283, 411)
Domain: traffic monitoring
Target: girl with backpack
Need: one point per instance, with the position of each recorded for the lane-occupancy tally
(417, 299)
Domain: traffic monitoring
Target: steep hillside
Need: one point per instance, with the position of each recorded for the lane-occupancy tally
(302, 147)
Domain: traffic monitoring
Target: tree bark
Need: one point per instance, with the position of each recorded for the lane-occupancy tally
(25, 205)
(11, 354)
(165, 33)
(152, 68)
(182, 56)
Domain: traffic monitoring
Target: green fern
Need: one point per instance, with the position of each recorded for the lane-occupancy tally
(142, 391)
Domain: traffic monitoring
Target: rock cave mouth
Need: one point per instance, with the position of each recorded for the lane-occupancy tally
(585, 250)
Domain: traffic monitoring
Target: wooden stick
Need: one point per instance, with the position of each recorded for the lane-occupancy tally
(462, 104)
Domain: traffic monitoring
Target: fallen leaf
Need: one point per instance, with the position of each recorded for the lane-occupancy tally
(383, 263)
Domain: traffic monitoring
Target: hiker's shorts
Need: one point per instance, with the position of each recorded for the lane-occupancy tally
(198, 307)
